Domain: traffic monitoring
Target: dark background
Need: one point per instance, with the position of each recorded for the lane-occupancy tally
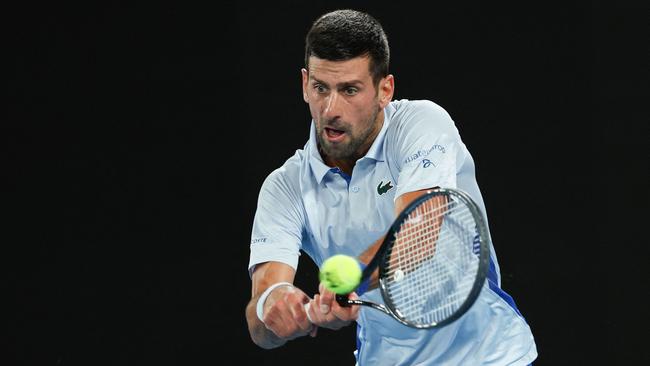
(136, 138)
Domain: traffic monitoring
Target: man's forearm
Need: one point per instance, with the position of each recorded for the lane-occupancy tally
(366, 257)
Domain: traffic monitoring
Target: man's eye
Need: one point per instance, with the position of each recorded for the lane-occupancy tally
(320, 88)
(351, 91)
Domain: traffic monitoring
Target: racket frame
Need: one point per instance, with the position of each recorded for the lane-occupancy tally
(380, 259)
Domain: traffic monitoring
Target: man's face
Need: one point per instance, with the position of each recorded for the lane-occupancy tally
(345, 105)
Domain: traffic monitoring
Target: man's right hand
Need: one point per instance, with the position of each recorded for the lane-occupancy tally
(325, 311)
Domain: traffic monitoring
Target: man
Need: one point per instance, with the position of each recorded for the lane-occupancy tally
(366, 159)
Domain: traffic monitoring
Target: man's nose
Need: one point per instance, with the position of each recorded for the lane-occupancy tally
(332, 106)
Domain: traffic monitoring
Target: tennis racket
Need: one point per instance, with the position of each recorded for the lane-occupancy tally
(433, 261)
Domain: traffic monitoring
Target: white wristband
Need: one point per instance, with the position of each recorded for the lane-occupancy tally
(307, 306)
(265, 294)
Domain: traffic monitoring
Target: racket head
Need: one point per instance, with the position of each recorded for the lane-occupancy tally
(436, 259)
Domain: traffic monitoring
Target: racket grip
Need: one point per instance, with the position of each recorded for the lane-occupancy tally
(342, 300)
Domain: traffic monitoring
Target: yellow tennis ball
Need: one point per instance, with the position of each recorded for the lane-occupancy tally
(340, 274)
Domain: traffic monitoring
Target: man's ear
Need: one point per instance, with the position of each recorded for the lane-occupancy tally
(305, 80)
(386, 90)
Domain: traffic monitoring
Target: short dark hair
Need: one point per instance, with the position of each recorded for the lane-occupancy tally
(345, 34)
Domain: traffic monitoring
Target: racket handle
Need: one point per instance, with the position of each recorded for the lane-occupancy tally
(342, 300)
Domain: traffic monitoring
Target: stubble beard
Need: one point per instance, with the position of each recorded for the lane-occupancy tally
(351, 148)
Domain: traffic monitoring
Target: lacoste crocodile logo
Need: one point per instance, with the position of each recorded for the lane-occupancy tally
(383, 189)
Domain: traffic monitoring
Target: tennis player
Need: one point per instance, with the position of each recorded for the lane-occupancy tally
(367, 157)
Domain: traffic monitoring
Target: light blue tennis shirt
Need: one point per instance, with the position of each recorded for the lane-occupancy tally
(307, 205)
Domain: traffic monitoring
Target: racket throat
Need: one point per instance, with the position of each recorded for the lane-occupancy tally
(348, 302)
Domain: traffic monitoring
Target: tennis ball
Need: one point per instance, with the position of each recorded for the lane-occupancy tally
(340, 274)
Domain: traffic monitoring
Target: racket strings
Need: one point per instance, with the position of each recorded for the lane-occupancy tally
(406, 265)
(422, 227)
(433, 263)
(442, 301)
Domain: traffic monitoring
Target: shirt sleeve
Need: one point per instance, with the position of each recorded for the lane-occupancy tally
(427, 149)
(277, 225)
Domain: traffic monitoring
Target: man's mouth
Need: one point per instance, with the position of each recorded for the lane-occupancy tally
(334, 134)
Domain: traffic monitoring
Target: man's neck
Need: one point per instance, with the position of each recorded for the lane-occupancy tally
(344, 165)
